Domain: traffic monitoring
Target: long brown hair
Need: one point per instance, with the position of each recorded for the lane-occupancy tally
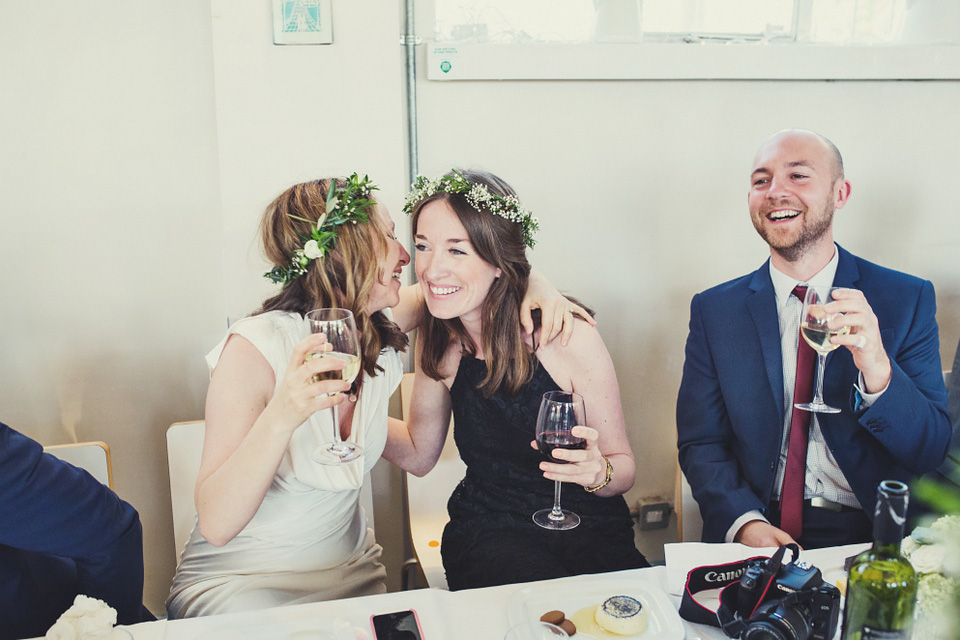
(343, 278)
(499, 242)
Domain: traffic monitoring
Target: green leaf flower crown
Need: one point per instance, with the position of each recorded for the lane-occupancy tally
(351, 204)
(478, 196)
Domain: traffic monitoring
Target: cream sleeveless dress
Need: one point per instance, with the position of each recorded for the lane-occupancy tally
(309, 539)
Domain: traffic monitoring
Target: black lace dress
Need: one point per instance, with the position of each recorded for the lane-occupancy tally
(491, 538)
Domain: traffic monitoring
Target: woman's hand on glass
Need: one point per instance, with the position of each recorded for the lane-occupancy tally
(585, 466)
(301, 393)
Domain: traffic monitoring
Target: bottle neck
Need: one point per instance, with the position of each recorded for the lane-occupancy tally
(886, 548)
(890, 518)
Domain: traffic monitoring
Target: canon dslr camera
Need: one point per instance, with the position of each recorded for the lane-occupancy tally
(786, 602)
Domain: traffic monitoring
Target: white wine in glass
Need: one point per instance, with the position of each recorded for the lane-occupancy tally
(343, 343)
(347, 374)
(815, 330)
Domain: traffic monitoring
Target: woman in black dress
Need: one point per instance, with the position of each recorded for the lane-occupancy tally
(470, 235)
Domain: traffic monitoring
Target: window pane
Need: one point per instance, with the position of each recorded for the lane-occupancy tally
(717, 17)
(805, 21)
(514, 20)
(846, 22)
(607, 20)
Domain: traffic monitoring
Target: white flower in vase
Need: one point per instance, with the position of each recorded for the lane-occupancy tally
(934, 553)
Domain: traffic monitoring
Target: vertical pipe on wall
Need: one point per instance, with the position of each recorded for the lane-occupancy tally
(410, 42)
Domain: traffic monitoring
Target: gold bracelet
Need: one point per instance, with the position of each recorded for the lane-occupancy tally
(606, 480)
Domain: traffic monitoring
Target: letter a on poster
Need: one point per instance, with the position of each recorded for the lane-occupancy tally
(302, 22)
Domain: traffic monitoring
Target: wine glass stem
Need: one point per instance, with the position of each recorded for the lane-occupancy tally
(556, 513)
(337, 440)
(821, 362)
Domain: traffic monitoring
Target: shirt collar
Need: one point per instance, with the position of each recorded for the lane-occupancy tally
(783, 284)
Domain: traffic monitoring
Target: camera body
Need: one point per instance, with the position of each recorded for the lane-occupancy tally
(788, 602)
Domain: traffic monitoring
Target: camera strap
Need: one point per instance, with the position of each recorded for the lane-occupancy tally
(725, 577)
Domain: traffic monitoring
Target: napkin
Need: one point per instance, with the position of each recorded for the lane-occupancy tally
(681, 557)
(87, 618)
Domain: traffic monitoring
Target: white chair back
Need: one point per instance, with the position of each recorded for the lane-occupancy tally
(184, 450)
(93, 457)
(689, 521)
(184, 447)
(427, 500)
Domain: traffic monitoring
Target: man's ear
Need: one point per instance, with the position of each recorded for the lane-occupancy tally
(841, 193)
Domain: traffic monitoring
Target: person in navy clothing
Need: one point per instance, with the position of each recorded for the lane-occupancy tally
(736, 395)
(62, 533)
(949, 472)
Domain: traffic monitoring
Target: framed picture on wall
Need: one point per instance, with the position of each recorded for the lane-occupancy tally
(302, 22)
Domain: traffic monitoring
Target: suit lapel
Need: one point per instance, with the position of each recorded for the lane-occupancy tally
(847, 272)
(762, 305)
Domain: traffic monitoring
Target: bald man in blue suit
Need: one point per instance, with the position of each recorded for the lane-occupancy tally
(736, 394)
(62, 533)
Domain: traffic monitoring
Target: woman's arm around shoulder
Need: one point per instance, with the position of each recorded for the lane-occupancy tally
(415, 446)
(408, 314)
(248, 428)
(584, 366)
(557, 313)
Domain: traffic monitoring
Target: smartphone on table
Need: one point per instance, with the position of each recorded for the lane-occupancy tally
(400, 625)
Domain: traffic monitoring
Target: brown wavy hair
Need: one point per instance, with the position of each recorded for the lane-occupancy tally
(343, 278)
(499, 242)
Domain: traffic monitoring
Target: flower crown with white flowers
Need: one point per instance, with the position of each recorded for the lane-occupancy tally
(478, 196)
(351, 204)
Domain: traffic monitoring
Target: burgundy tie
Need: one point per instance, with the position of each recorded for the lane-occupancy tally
(791, 495)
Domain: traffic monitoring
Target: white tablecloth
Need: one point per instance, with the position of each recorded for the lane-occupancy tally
(474, 614)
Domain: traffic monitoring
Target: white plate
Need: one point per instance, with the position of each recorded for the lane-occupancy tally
(663, 622)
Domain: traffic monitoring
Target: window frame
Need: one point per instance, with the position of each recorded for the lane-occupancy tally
(451, 61)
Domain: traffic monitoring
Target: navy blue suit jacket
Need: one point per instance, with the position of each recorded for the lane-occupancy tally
(730, 409)
(62, 533)
(949, 472)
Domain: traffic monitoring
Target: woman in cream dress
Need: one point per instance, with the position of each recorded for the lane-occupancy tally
(274, 527)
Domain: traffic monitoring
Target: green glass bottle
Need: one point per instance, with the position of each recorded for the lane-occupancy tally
(881, 584)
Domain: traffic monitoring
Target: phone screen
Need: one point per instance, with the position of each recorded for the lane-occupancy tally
(402, 625)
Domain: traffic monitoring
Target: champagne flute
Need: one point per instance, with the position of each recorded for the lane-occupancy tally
(560, 411)
(535, 631)
(815, 329)
(342, 343)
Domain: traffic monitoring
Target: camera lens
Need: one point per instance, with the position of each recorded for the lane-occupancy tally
(783, 623)
(764, 631)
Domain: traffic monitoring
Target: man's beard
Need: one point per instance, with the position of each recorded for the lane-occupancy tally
(810, 234)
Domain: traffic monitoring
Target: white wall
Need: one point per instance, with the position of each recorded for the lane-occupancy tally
(140, 141)
(288, 114)
(110, 251)
(641, 192)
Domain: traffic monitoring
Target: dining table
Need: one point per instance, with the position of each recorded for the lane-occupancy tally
(487, 613)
